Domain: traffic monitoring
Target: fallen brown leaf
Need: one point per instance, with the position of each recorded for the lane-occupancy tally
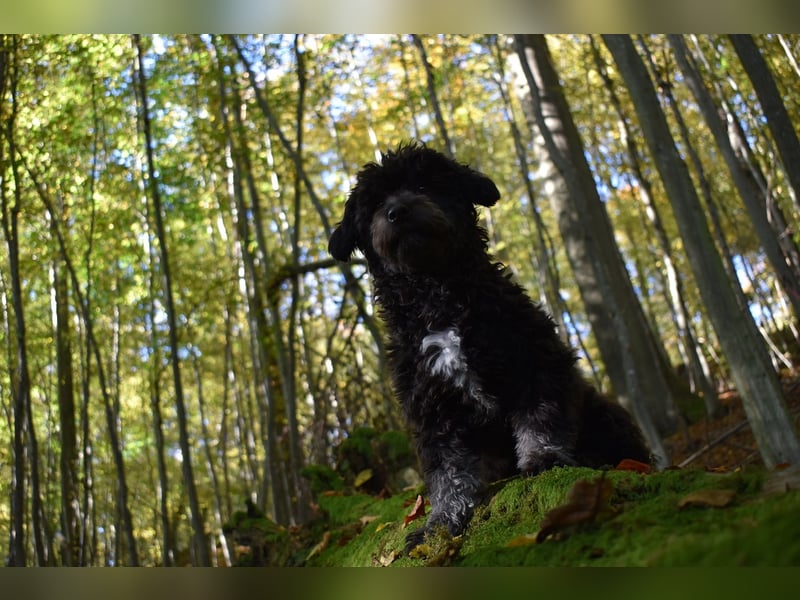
(326, 538)
(416, 512)
(708, 498)
(584, 502)
(628, 464)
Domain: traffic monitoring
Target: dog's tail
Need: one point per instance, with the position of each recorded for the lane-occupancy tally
(607, 433)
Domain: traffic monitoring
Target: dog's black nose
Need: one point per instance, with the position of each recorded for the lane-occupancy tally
(396, 212)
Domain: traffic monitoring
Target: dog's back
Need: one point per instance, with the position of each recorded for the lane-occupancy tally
(607, 434)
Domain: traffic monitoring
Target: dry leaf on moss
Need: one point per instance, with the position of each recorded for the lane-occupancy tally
(628, 464)
(416, 512)
(584, 502)
(708, 498)
(326, 538)
(527, 539)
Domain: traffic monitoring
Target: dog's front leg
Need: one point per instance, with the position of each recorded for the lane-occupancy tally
(451, 470)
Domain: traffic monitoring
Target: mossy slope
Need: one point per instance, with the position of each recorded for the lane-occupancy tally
(640, 525)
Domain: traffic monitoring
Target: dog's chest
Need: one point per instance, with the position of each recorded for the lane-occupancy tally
(443, 359)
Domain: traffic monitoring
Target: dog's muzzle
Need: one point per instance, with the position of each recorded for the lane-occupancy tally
(410, 232)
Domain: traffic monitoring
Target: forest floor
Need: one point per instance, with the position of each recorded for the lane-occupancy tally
(716, 506)
(727, 442)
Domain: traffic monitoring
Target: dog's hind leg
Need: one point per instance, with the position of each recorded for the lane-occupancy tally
(452, 478)
(544, 439)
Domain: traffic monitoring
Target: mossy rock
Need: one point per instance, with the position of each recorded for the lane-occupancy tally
(322, 478)
(374, 462)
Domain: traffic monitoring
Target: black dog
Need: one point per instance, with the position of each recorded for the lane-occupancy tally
(486, 383)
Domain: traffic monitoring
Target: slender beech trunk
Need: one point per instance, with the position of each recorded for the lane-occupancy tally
(302, 497)
(208, 442)
(168, 550)
(754, 201)
(780, 123)
(20, 382)
(635, 368)
(430, 80)
(202, 556)
(68, 459)
(351, 282)
(674, 286)
(544, 261)
(252, 287)
(750, 366)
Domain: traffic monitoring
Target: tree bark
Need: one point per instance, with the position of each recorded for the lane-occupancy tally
(634, 366)
(778, 120)
(20, 382)
(237, 163)
(752, 371)
(430, 81)
(203, 557)
(781, 257)
(68, 459)
(672, 282)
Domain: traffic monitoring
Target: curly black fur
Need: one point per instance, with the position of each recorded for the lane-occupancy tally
(485, 382)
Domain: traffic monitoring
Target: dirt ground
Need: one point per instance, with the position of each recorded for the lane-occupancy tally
(727, 443)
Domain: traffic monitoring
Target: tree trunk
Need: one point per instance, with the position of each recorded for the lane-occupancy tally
(20, 382)
(208, 442)
(754, 201)
(68, 459)
(545, 269)
(755, 378)
(673, 285)
(430, 80)
(778, 120)
(620, 328)
(252, 286)
(200, 546)
(168, 550)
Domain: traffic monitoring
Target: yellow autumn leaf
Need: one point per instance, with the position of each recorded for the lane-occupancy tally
(363, 477)
(713, 498)
(522, 540)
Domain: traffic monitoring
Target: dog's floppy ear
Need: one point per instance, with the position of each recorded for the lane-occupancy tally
(480, 189)
(343, 240)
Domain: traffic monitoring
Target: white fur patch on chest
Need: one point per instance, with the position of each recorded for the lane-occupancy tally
(446, 359)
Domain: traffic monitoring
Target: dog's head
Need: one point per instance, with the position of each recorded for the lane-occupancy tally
(414, 212)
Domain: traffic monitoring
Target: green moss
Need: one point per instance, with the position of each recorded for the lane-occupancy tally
(397, 447)
(647, 528)
(644, 526)
(359, 442)
(322, 478)
(362, 529)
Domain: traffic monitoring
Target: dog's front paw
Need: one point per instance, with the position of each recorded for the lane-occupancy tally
(414, 539)
(438, 527)
(545, 461)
